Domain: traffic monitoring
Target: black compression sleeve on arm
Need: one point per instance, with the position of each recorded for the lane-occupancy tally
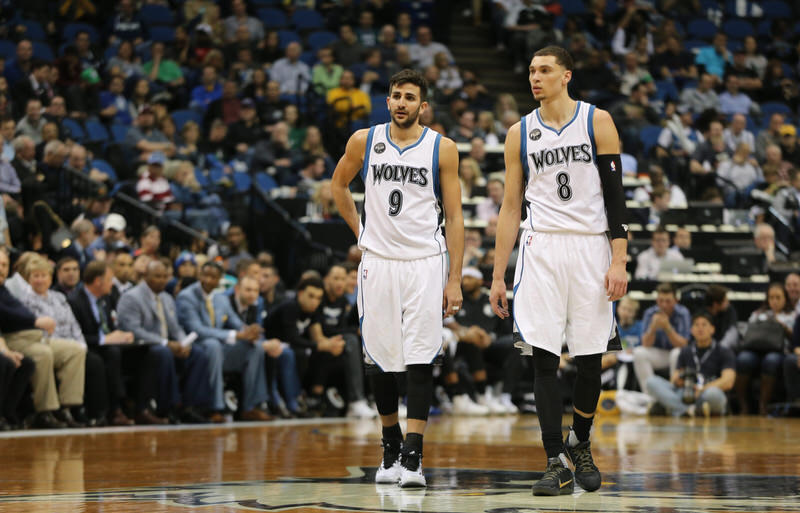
(610, 168)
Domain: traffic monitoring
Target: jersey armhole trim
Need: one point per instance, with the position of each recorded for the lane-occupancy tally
(437, 189)
(590, 129)
(365, 166)
(523, 147)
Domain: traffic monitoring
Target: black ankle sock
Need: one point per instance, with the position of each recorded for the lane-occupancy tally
(480, 387)
(414, 442)
(452, 389)
(581, 425)
(393, 433)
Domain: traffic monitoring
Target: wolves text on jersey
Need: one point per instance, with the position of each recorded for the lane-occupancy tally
(562, 155)
(399, 173)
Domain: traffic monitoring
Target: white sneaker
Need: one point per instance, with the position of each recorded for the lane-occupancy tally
(492, 403)
(445, 404)
(412, 478)
(402, 411)
(464, 405)
(505, 400)
(361, 410)
(389, 475)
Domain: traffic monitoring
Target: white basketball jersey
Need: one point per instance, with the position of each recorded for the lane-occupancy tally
(401, 218)
(563, 186)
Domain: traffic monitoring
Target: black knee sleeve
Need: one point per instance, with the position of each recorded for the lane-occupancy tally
(587, 382)
(384, 386)
(549, 405)
(420, 390)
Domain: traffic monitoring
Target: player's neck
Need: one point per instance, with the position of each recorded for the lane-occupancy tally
(404, 136)
(558, 111)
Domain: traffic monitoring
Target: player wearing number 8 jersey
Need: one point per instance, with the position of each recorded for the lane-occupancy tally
(410, 176)
(564, 159)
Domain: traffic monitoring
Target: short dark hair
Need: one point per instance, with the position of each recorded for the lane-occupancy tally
(716, 294)
(410, 76)
(94, 270)
(213, 265)
(65, 260)
(666, 288)
(310, 282)
(659, 229)
(243, 264)
(703, 314)
(563, 57)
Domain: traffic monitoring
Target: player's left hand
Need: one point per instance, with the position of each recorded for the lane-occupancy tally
(616, 282)
(452, 300)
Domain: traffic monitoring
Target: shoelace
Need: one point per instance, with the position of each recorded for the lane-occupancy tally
(583, 457)
(552, 471)
(411, 461)
(391, 453)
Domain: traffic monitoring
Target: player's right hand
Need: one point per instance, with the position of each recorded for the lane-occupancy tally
(498, 299)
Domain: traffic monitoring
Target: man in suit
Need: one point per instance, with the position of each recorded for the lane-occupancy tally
(90, 304)
(230, 344)
(150, 314)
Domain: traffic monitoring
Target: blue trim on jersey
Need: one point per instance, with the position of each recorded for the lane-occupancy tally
(361, 318)
(437, 189)
(590, 126)
(514, 298)
(389, 138)
(365, 166)
(558, 132)
(523, 148)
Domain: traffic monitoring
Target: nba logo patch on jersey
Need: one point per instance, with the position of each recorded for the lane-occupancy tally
(535, 134)
(380, 147)
(529, 240)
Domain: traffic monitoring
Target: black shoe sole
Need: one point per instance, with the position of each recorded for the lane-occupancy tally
(552, 492)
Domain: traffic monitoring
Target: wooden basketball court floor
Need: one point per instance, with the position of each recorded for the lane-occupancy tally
(472, 465)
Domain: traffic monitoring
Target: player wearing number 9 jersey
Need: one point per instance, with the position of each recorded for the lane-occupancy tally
(564, 159)
(410, 176)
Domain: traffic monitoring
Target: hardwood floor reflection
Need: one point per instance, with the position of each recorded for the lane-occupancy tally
(473, 464)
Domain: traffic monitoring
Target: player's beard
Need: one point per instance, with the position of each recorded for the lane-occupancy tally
(411, 119)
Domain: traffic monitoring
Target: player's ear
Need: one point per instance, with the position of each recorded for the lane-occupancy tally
(567, 76)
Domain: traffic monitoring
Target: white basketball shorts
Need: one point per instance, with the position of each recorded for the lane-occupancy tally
(560, 294)
(400, 309)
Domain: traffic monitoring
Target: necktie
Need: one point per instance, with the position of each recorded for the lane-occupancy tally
(101, 313)
(210, 308)
(161, 316)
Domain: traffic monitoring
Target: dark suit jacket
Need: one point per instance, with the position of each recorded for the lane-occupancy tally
(82, 308)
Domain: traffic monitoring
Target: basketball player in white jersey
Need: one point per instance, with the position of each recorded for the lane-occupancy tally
(409, 173)
(563, 158)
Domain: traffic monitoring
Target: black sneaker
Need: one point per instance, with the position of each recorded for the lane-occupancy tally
(586, 473)
(557, 479)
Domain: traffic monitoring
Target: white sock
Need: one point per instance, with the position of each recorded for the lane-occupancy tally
(572, 439)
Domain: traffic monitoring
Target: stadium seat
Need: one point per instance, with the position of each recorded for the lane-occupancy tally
(573, 7)
(201, 177)
(266, 3)
(701, 28)
(288, 36)
(96, 131)
(71, 129)
(33, 30)
(738, 29)
(770, 108)
(309, 57)
(612, 6)
(162, 34)
(265, 182)
(105, 167)
(71, 29)
(153, 14)
(242, 181)
(180, 117)
(272, 18)
(666, 90)
(775, 9)
(7, 49)
(42, 50)
(307, 19)
(649, 137)
(693, 45)
(119, 132)
(379, 113)
(321, 39)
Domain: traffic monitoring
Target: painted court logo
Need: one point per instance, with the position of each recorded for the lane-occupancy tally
(379, 148)
(450, 491)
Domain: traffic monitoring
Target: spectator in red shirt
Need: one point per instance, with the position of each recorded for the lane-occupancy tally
(152, 187)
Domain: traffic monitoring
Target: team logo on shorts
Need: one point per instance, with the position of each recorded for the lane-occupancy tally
(529, 240)
(380, 147)
(535, 134)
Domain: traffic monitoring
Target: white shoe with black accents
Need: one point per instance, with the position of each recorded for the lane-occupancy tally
(390, 468)
(411, 476)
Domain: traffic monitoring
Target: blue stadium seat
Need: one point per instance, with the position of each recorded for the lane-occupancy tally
(309, 57)
(379, 113)
(770, 108)
(692, 45)
(701, 28)
(153, 14)
(775, 9)
(71, 129)
(573, 7)
(649, 137)
(119, 132)
(162, 34)
(105, 167)
(272, 18)
(265, 182)
(764, 29)
(180, 117)
(612, 6)
(666, 90)
(307, 19)
(7, 49)
(34, 30)
(321, 39)
(288, 36)
(72, 29)
(201, 177)
(242, 181)
(266, 3)
(42, 50)
(738, 29)
(96, 131)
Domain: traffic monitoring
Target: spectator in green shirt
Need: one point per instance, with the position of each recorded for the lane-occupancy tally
(325, 75)
(163, 70)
